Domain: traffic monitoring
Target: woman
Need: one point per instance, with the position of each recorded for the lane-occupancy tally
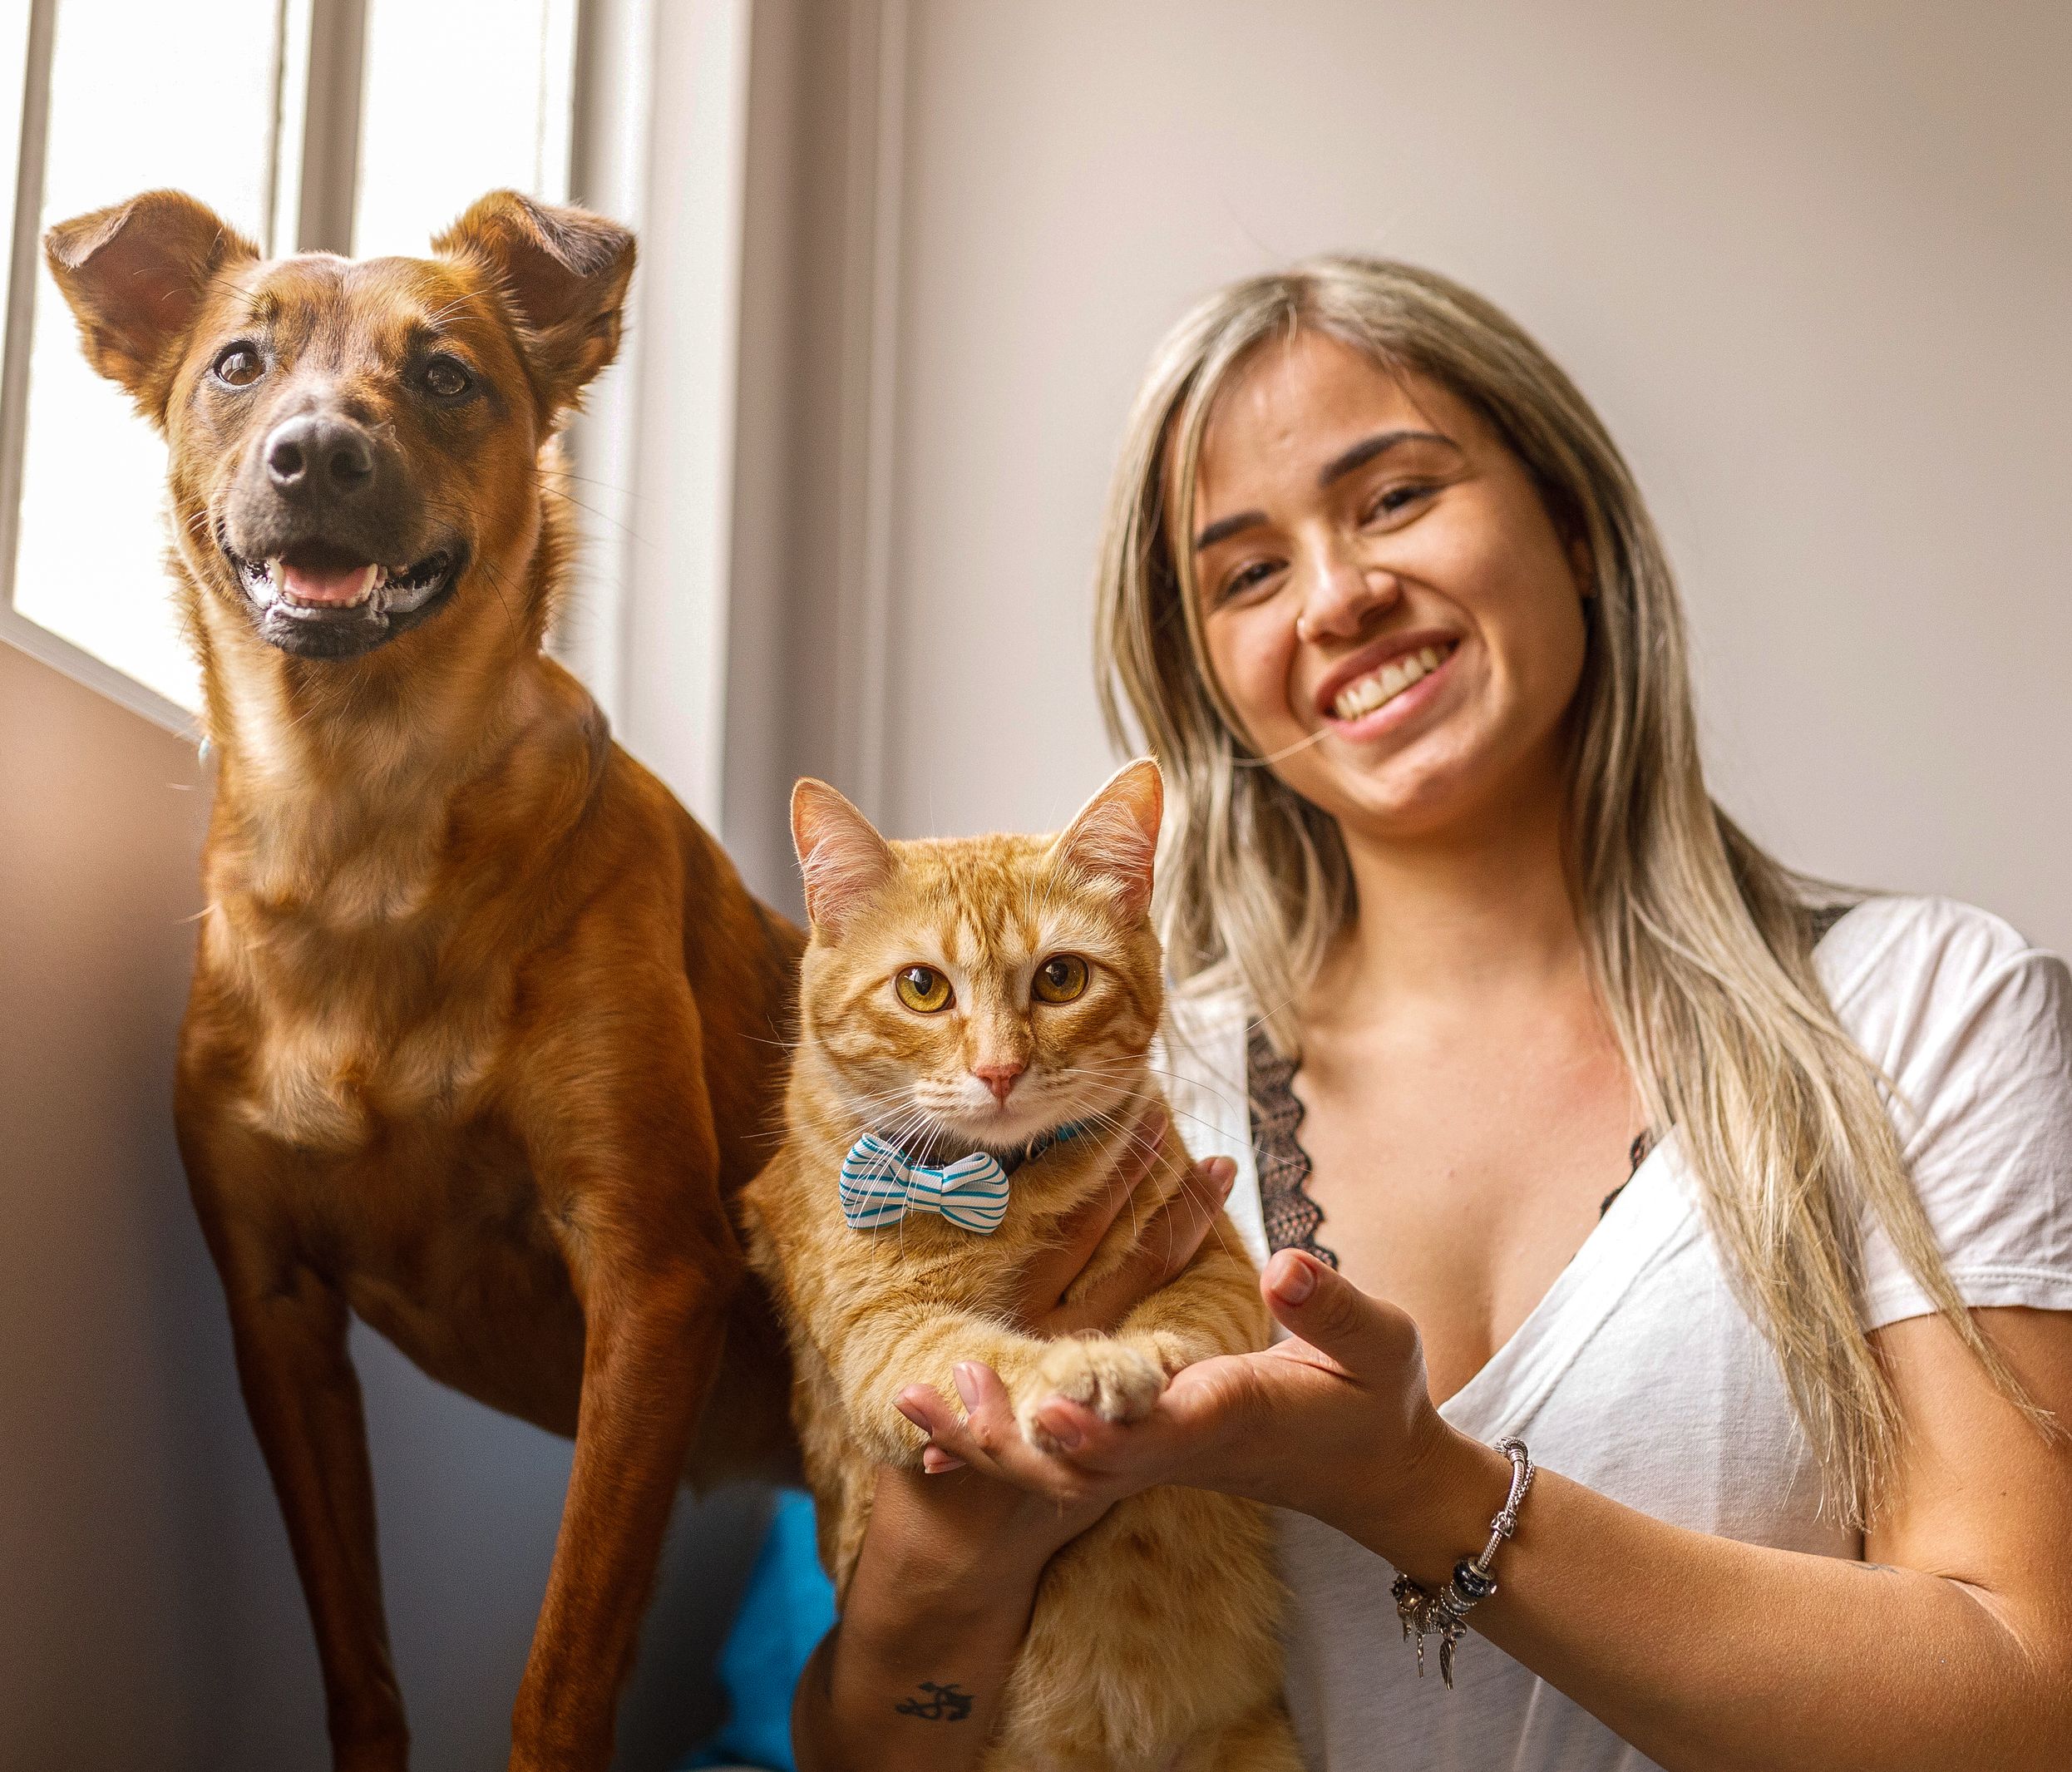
(1564, 1109)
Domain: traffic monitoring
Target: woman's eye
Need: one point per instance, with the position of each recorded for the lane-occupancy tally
(1247, 577)
(447, 379)
(239, 365)
(1395, 500)
(922, 988)
(1061, 978)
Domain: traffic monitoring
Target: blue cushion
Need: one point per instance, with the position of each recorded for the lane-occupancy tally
(789, 1606)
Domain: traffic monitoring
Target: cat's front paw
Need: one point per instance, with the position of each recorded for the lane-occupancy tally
(1111, 1378)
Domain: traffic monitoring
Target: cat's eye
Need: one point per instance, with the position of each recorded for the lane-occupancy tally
(922, 988)
(1060, 979)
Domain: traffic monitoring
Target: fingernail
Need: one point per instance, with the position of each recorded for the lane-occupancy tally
(936, 1461)
(1061, 1427)
(967, 1381)
(1296, 1281)
(913, 1414)
(1222, 1173)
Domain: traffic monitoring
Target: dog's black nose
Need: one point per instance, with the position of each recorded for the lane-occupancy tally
(319, 457)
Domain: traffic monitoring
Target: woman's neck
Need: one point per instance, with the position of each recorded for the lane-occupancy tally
(1478, 913)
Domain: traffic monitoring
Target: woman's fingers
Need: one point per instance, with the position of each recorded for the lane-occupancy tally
(1046, 1275)
(1312, 1300)
(1167, 1244)
(989, 1439)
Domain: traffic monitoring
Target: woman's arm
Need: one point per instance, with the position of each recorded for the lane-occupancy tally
(1703, 1652)
(911, 1677)
(1952, 1647)
(936, 1610)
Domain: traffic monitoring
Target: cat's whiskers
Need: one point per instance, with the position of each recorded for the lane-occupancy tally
(1187, 1184)
(1182, 1114)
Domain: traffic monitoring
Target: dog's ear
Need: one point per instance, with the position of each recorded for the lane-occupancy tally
(564, 272)
(135, 275)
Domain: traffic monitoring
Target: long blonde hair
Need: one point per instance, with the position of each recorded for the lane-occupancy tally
(1700, 945)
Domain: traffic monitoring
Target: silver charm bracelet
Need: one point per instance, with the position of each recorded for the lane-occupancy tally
(1446, 1611)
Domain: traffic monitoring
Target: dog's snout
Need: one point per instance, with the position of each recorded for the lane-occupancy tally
(320, 456)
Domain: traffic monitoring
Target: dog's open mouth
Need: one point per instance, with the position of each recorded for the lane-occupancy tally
(321, 600)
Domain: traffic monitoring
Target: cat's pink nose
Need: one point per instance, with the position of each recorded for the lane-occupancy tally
(998, 1078)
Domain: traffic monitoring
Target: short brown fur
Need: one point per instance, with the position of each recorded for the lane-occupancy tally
(484, 1031)
(1153, 1642)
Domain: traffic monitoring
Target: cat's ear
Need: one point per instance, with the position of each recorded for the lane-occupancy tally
(844, 859)
(1115, 837)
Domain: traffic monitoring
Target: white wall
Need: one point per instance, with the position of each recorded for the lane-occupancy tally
(1809, 258)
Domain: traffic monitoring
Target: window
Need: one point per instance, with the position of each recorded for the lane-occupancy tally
(365, 125)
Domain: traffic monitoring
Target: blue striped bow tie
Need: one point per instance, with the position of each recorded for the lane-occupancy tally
(881, 1184)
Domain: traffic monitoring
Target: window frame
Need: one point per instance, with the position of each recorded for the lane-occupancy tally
(318, 66)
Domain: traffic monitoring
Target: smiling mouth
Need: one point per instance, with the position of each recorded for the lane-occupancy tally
(1363, 695)
(315, 581)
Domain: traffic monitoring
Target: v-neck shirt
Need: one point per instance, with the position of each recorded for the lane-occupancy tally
(1639, 1373)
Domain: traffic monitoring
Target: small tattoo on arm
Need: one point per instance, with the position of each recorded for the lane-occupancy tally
(942, 1704)
(1878, 1568)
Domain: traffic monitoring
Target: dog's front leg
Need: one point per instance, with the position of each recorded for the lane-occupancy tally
(288, 1326)
(633, 1191)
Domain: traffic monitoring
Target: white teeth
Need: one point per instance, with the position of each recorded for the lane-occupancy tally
(1387, 684)
(277, 583)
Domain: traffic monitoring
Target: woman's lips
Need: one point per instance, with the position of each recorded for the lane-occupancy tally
(1391, 693)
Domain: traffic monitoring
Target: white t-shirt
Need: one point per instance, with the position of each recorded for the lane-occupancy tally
(1639, 1373)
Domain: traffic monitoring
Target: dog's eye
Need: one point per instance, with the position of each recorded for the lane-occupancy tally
(444, 376)
(1060, 979)
(922, 988)
(239, 365)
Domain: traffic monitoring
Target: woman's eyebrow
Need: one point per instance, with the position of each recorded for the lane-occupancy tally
(1337, 468)
(1223, 527)
(1361, 453)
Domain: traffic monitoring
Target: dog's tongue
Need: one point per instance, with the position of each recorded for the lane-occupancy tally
(338, 586)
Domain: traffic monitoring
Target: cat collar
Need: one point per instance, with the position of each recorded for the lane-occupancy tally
(881, 1183)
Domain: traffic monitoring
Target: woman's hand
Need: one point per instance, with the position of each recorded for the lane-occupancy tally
(1336, 1422)
(1166, 1245)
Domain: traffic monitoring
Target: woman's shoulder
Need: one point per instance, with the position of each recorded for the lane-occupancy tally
(1912, 978)
(1971, 1024)
(1892, 937)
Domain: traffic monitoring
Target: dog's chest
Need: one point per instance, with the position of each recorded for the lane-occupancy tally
(346, 1038)
(331, 1082)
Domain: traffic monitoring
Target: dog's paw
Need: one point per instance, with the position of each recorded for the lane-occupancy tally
(1111, 1378)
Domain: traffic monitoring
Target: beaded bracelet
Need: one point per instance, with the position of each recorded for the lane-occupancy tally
(1447, 1611)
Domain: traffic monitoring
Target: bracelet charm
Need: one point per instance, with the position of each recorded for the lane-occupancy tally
(1422, 1611)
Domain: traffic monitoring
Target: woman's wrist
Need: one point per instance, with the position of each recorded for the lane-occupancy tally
(1430, 1508)
(956, 1545)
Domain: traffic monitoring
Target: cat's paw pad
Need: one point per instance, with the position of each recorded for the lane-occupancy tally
(1111, 1378)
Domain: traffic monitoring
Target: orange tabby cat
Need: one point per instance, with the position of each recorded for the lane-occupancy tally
(964, 1001)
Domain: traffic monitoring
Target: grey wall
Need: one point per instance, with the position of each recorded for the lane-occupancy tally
(1809, 258)
(148, 1609)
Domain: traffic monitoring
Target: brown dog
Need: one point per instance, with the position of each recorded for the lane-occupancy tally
(484, 1031)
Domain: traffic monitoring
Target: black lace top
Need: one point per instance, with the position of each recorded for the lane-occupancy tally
(1292, 1216)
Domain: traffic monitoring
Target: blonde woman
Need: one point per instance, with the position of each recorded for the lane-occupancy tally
(1559, 1114)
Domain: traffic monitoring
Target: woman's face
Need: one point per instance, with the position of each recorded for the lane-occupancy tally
(1375, 565)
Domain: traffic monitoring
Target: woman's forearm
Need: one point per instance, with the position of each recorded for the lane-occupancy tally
(933, 1618)
(1705, 1653)
(919, 1691)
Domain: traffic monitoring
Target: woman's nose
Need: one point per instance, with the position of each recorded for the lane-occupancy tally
(1344, 595)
